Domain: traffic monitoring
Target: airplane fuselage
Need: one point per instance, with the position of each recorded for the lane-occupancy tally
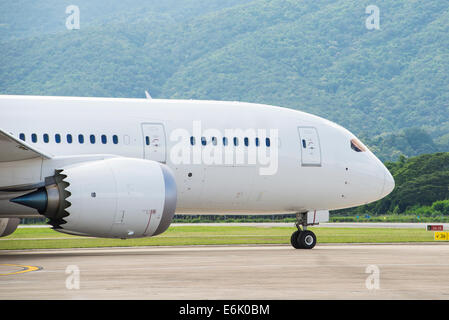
(226, 157)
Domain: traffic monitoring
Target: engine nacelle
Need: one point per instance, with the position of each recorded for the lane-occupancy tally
(8, 226)
(112, 198)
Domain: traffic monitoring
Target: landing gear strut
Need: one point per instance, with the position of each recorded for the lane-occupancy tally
(302, 239)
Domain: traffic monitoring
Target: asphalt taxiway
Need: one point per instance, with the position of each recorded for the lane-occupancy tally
(374, 271)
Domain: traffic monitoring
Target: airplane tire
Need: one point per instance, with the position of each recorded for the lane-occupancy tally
(294, 239)
(307, 239)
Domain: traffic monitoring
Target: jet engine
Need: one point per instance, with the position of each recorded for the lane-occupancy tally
(112, 198)
(8, 226)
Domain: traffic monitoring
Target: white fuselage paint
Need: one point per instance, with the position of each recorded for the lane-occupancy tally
(336, 177)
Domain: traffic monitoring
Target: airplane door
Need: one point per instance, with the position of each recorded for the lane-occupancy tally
(310, 146)
(154, 143)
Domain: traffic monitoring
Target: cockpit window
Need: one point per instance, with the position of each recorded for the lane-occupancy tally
(357, 146)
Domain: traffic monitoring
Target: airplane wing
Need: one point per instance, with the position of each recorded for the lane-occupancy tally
(13, 149)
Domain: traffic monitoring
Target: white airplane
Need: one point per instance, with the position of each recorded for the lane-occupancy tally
(120, 168)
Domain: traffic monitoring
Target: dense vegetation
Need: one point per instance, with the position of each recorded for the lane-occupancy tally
(316, 56)
(411, 142)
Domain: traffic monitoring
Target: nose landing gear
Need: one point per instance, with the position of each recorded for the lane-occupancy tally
(302, 239)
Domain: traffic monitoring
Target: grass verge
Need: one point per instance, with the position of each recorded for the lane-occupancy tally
(45, 238)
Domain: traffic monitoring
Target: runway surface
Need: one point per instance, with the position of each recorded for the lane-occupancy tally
(387, 271)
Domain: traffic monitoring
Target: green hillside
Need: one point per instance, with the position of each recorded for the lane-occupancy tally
(25, 18)
(410, 141)
(316, 56)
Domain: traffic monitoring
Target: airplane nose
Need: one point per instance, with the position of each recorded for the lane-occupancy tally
(388, 183)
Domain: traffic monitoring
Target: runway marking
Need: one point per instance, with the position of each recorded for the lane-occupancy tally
(24, 269)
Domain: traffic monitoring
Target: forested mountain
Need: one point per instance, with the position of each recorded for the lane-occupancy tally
(25, 18)
(386, 85)
(411, 142)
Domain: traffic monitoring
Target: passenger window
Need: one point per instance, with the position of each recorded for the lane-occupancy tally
(104, 139)
(192, 141)
(22, 136)
(81, 138)
(225, 141)
(115, 139)
(257, 142)
(34, 137)
(236, 141)
(267, 142)
(69, 138)
(92, 138)
(46, 139)
(203, 141)
(246, 140)
(58, 138)
(147, 140)
(214, 141)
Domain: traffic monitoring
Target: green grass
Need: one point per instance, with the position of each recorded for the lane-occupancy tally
(45, 238)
